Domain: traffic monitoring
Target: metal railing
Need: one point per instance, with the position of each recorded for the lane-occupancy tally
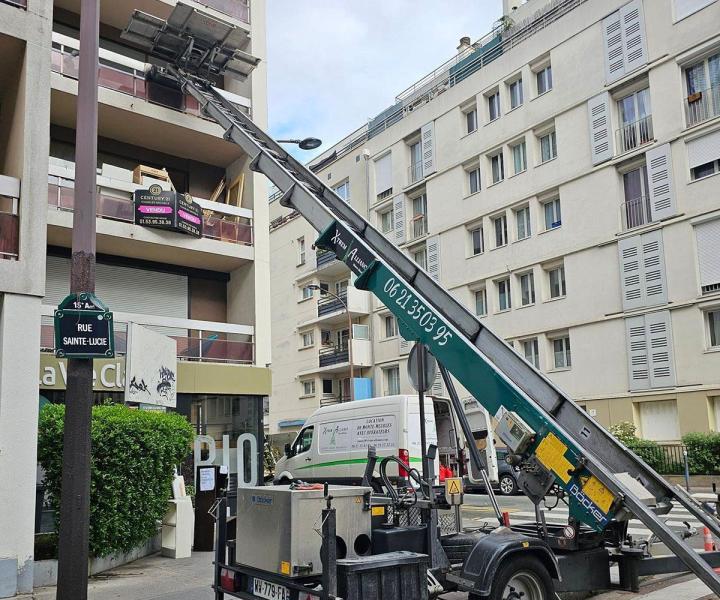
(635, 134)
(324, 257)
(667, 459)
(703, 105)
(635, 212)
(415, 173)
(333, 355)
(330, 400)
(237, 9)
(419, 226)
(328, 305)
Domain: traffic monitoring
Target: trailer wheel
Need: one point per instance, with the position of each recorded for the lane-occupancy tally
(522, 577)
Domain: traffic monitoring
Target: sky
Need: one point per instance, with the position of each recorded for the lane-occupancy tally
(332, 64)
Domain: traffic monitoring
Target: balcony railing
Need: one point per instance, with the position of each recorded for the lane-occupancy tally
(635, 134)
(9, 219)
(334, 355)
(328, 304)
(703, 105)
(419, 226)
(200, 345)
(635, 212)
(237, 9)
(324, 257)
(330, 400)
(414, 173)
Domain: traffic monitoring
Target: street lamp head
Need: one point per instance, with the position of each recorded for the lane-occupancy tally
(310, 143)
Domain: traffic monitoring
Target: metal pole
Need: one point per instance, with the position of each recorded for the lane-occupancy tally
(421, 398)
(687, 469)
(350, 351)
(75, 487)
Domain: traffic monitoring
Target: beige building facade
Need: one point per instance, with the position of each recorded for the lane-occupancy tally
(559, 177)
(208, 292)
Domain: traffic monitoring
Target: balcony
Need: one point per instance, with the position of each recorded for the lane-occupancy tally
(328, 304)
(415, 173)
(333, 355)
(418, 226)
(635, 134)
(635, 212)
(330, 400)
(9, 218)
(324, 257)
(198, 341)
(702, 106)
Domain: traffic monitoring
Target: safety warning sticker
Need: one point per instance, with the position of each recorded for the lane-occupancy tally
(598, 493)
(551, 453)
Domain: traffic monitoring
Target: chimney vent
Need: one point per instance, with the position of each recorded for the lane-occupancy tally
(464, 43)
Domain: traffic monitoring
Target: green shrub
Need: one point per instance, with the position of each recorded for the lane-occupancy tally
(133, 453)
(703, 452)
(625, 432)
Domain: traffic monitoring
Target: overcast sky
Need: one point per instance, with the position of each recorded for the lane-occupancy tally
(332, 64)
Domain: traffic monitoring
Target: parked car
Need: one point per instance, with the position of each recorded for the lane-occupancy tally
(507, 478)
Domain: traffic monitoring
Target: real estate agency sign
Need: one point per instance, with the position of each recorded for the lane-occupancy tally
(166, 209)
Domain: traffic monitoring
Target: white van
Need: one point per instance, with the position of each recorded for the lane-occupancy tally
(332, 445)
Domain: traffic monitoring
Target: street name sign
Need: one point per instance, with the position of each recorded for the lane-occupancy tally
(83, 328)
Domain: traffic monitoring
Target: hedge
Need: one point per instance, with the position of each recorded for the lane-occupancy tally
(132, 459)
(703, 452)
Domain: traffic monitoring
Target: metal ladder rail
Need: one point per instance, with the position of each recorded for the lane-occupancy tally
(296, 193)
(617, 458)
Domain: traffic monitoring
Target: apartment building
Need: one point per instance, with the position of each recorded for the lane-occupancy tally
(558, 176)
(206, 292)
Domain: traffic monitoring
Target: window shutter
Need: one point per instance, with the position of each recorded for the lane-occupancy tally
(631, 272)
(613, 46)
(653, 269)
(708, 245)
(600, 135)
(399, 217)
(383, 174)
(662, 191)
(433, 257)
(637, 353)
(658, 331)
(704, 149)
(427, 141)
(659, 420)
(633, 34)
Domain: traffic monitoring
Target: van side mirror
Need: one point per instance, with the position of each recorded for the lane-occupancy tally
(288, 450)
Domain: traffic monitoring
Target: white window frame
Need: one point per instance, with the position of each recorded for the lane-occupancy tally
(301, 251)
(471, 120)
(306, 292)
(493, 104)
(307, 339)
(559, 268)
(502, 218)
(390, 327)
(715, 165)
(713, 337)
(308, 388)
(565, 352)
(522, 215)
(477, 232)
(533, 355)
(390, 214)
(473, 175)
(515, 93)
(343, 190)
(544, 74)
(480, 298)
(556, 213)
(551, 136)
(388, 381)
(416, 253)
(500, 285)
(529, 277)
(497, 167)
(520, 146)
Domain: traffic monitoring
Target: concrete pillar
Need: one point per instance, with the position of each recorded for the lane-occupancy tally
(19, 367)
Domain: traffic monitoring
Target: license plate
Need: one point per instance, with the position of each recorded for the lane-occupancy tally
(269, 590)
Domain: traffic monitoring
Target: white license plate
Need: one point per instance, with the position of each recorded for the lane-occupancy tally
(269, 590)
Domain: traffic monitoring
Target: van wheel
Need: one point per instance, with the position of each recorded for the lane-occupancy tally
(508, 486)
(521, 576)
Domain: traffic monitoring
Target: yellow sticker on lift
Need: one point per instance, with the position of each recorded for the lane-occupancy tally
(453, 486)
(378, 511)
(598, 493)
(285, 567)
(551, 453)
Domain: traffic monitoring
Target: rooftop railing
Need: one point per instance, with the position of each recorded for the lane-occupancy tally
(703, 105)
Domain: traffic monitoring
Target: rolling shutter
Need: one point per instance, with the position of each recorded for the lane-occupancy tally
(601, 146)
(383, 174)
(708, 246)
(662, 191)
(427, 141)
(613, 46)
(637, 353)
(684, 8)
(659, 420)
(653, 267)
(633, 33)
(631, 272)
(660, 351)
(704, 149)
(433, 257)
(399, 217)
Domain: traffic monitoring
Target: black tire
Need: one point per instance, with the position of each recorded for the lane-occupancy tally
(507, 485)
(458, 545)
(526, 574)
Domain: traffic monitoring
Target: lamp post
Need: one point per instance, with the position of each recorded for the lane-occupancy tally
(308, 143)
(350, 336)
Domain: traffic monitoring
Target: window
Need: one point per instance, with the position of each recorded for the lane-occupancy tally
(516, 94)
(561, 352)
(553, 216)
(415, 162)
(477, 240)
(494, 106)
(705, 169)
(504, 299)
(387, 222)
(702, 81)
(392, 381)
(390, 326)
(474, 180)
(544, 80)
(548, 147)
(530, 350)
(519, 157)
(343, 190)
(419, 218)
(383, 176)
(522, 220)
(659, 420)
(303, 442)
(471, 120)
(635, 121)
(308, 387)
(420, 258)
(556, 279)
(301, 251)
(500, 224)
(307, 292)
(707, 235)
(527, 289)
(307, 339)
(481, 302)
(713, 318)
(326, 337)
(636, 208)
(498, 167)
(327, 387)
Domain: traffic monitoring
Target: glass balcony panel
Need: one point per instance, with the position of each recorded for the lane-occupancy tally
(116, 80)
(238, 9)
(70, 65)
(111, 207)
(9, 236)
